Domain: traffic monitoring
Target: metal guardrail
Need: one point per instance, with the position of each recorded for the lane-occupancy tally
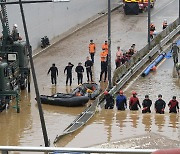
(6, 149)
(124, 72)
(133, 70)
(170, 36)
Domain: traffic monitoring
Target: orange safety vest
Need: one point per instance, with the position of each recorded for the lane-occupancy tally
(92, 48)
(105, 47)
(103, 55)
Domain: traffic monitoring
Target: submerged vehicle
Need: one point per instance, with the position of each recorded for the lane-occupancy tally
(14, 62)
(92, 90)
(61, 99)
(136, 6)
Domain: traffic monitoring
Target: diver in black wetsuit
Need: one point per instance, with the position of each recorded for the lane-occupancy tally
(160, 105)
(146, 105)
(68, 70)
(54, 73)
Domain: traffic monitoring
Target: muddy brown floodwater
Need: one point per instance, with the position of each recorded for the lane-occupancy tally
(129, 129)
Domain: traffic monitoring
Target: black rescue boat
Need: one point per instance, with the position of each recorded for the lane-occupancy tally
(61, 99)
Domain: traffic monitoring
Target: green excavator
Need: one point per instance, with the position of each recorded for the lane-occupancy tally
(14, 63)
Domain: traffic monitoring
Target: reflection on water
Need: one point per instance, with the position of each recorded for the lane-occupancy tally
(146, 120)
(134, 118)
(108, 122)
(53, 89)
(174, 73)
(68, 89)
(173, 121)
(119, 125)
(13, 124)
(121, 118)
(159, 121)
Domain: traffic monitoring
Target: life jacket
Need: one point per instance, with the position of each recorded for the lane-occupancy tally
(78, 94)
(92, 48)
(105, 47)
(133, 101)
(103, 55)
(173, 104)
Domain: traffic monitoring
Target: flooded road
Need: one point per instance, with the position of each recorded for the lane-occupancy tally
(125, 126)
(24, 128)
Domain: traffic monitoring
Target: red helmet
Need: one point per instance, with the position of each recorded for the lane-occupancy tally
(106, 92)
(121, 92)
(134, 93)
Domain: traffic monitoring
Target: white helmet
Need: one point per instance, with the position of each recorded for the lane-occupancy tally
(165, 20)
(15, 25)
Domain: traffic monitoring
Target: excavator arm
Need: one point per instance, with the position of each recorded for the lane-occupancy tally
(6, 38)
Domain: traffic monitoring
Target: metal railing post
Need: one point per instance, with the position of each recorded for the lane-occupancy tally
(109, 44)
(149, 22)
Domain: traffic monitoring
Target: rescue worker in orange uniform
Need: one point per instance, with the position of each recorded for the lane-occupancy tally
(103, 56)
(92, 50)
(105, 47)
(152, 29)
(173, 105)
(134, 102)
(164, 24)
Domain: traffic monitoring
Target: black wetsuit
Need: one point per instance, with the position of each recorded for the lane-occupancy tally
(68, 69)
(175, 51)
(160, 106)
(79, 70)
(109, 101)
(174, 105)
(88, 65)
(146, 105)
(54, 74)
(103, 70)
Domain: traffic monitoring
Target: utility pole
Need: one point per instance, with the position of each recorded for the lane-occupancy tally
(109, 44)
(46, 141)
(149, 22)
(179, 12)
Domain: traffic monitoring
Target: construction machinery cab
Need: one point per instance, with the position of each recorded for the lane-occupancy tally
(136, 6)
(9, 72)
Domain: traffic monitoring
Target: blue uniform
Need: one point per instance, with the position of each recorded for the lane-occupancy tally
(121, 102)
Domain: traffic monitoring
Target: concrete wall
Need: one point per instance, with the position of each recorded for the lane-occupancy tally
(53, 19)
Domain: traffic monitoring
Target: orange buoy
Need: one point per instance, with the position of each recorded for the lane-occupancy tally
(78, 94)
(154, 68)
